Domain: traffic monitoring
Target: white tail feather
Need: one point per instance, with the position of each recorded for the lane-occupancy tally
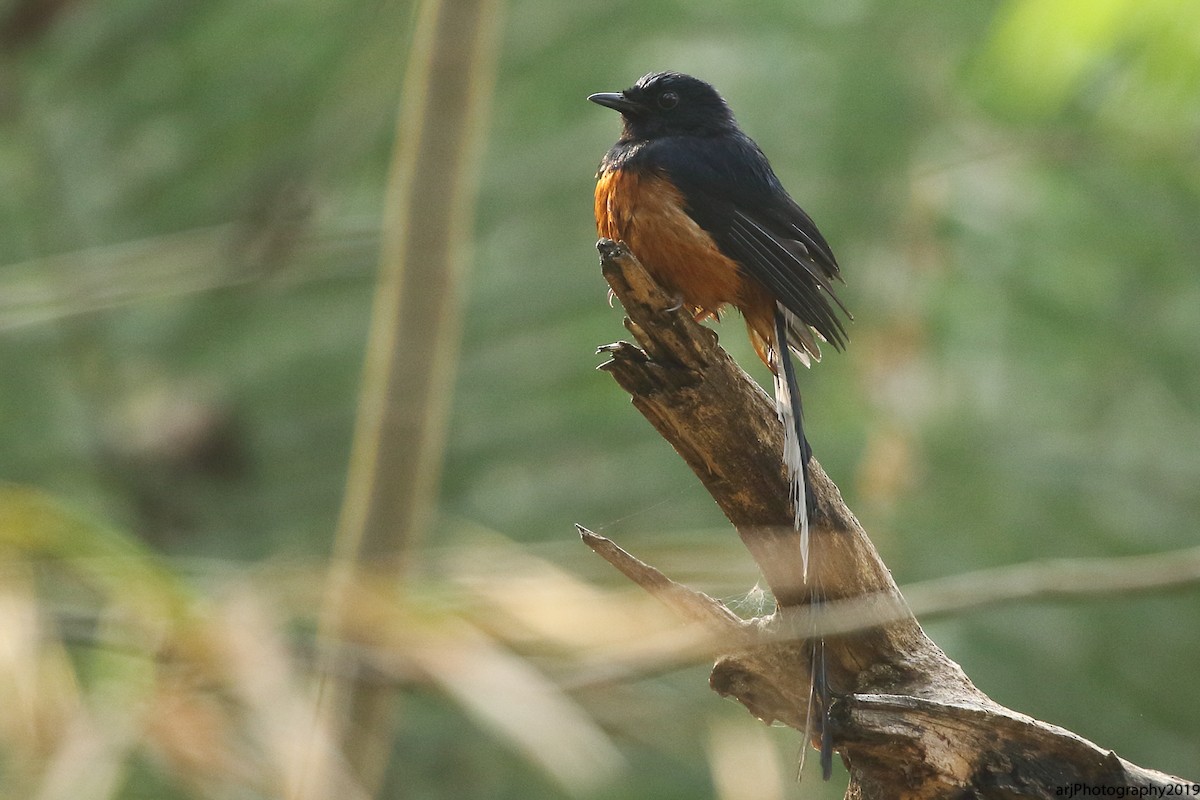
(793, 458)
(789, 330)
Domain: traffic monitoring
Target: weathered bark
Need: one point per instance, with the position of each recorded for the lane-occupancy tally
(906, 719)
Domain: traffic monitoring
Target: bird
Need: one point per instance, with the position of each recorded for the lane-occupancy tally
(697, 202)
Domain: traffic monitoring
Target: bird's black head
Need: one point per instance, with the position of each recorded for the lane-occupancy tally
(669, 104)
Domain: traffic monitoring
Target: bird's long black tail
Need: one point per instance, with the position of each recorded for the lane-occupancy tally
(796, 455)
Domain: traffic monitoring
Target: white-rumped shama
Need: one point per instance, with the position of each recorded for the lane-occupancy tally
(697, 202)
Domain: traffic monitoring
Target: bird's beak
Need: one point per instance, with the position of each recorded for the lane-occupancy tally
(614, 100)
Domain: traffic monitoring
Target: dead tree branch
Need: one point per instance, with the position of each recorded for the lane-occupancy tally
(907, 720)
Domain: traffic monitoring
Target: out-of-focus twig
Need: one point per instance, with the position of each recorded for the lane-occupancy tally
(396, 458)
(1055, 579)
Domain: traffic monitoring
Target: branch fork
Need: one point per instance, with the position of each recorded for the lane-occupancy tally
(907, 720)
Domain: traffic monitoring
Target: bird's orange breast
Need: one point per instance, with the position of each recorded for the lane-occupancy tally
(646, 211)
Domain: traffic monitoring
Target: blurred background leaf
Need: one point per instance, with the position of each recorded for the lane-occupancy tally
(190, 204)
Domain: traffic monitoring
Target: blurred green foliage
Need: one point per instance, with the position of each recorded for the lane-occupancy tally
(188, 229)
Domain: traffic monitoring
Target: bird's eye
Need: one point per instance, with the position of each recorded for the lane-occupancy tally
(668, 100)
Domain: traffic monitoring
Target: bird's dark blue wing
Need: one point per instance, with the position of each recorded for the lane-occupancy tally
(731, 191)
